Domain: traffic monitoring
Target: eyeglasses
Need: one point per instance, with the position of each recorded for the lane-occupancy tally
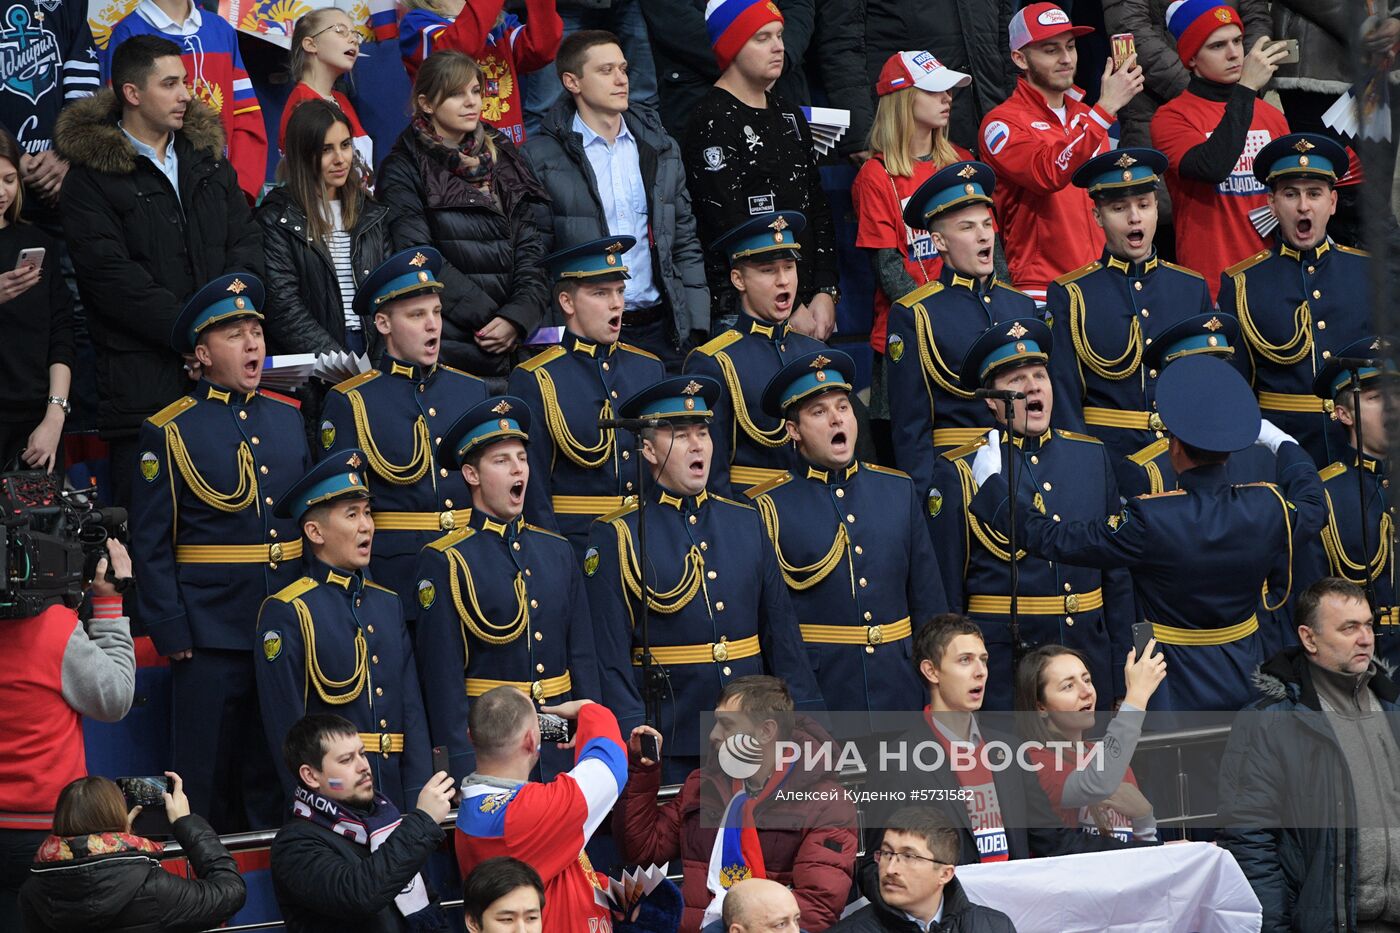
(894, 858)
(344, 31)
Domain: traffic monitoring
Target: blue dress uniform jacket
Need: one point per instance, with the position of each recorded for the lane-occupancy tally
(499, 603)
(1103, 315)
(1338, 552)
(930, 331)
(852, 546)
(396, 413)
(577, 471)
(334, 642)
(751, 447)
(1296, 309)
(1066, 477)
(719, 610)
(206, 546)
(1199, 556)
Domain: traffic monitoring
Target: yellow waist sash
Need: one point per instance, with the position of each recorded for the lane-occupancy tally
(1284, 401)
(1037, 605)
(1132, 420)
(1170, 635)
(237, 553)
(421, 521)
(717, 652)
(857, 634)
(537, 690)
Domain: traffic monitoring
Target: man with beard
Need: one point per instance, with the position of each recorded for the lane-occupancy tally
(581, 470)
(718, 608)
(1306, 297)
(851, 540)
(1107, 313)
(500, 602)
(335, 642)
(1065, 476)
(1039, 137)
(750, 447)
(208, 548)
(396, 413)
(929, 408)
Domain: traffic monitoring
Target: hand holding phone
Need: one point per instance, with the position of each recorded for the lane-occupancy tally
(1124, 48)
(1146, 667)
(31, 256)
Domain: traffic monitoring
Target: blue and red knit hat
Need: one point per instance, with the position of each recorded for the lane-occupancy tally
(1192, 21)
(731, 23)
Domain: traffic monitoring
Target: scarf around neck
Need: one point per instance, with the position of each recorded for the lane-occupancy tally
(472, 161)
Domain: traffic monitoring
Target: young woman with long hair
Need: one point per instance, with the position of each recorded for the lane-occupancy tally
(325, 45)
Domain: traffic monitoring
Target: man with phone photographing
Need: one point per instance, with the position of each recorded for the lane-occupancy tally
(545, 825)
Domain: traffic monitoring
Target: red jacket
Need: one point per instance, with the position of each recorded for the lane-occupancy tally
(1047, 225)
(809, 844)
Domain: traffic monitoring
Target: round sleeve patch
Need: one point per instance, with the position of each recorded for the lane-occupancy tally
(996, 136)
(150, 466)
(427, 593)
(327, 434)
(894, 347)
(272, 644)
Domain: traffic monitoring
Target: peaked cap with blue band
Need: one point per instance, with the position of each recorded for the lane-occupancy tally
(808, 375)
(340, 476)
(408, 272)
(1206, 403)
(679, 398)
(227, 298)
(599, 260)
(1332, 379)
(958, 185)
(1121, 172)
(767, 236)
(1214, 333)
(498, 418)
(1301, 155)
(1004, 346)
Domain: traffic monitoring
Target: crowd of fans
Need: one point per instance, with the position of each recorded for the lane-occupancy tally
(1079, 435)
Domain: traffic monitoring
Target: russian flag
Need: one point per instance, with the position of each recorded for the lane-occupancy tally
(383, 19)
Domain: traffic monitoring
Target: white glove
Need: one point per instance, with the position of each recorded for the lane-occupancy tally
(1271, 437)
(988, 460)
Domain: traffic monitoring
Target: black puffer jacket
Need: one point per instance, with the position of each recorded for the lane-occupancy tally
(960, 915)
(305, 313)
(141, 251)
(855, 37)
(126, 891)
(492, 248)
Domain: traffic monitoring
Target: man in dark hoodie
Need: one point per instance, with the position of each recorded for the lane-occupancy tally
(1308, 795)
(152, 210)
(912, 885)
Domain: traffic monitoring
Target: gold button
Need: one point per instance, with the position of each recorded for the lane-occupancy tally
(1034, 459)
(864, 582)
(868, 617)
(1056, 517)
(1311, 269)
(720, 605)
(850, 518)
(1326, 354)
(726, 670)
(627, 455)
(605, 366)
(1145, 313)
(447, 502)
(268, 500)
(421, 388)
(370, 629)
(987, 299)
(272, 532)
(256, 441)
(719, 651)
(374, 658)
(1321, 325)
(629, 485)
(534, 604)
(432, 411)
(840, 493)
(515, 545)
(711, 574)
(263, 469)
(1152, 373)
(692, 519)
(1160, 435)
(539, 636)
(243, 416)
(272, 565)
(613, 393)
(379, 691)
(437, 440)
(539, 668)
(1067, 587)
(1072, 602)
(869, 649)
(443, 472)
(1069, 620)
(859, 549)
(1316, 293)
(383, 723)
(704, 545)
(1137, 286)
(1046, 486)
(527, 572)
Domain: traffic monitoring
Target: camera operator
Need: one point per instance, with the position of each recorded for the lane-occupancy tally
(58, 671)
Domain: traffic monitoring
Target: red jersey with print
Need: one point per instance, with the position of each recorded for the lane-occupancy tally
(505, 48)
(879, 199)
(968, 762)
(1213, 229)
(364, 146)
(1047, 224)
(1055, 769)
(546, 826)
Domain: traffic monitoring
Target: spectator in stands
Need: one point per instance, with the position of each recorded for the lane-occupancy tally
(503, 895)
(757, 905)
(686, 66)
(348, 859)
(1039, 138)
(214, 74)
(1211, 133)
(93, 873)
(322, 235)
(611, 169)
(908, 143)
(1000, 814)
(748, 152)
(911, 877)
(1055, 702)
(1307, 781)
(504, 48)
(37, 310)
(61, 671)
(856, 39)
(544, 825)
(462, 186)
(325, 45)
(152, 211)
(806, 828)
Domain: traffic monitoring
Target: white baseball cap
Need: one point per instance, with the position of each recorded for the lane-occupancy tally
(904, 70)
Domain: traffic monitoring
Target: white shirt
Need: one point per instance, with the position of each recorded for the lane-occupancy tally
(937, 918)
(618, 171)
(158, 18)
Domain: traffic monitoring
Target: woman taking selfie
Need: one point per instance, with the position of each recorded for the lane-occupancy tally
(458, 184)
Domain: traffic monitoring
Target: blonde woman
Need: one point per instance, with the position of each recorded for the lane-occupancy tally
(325, 46)
(909, 142)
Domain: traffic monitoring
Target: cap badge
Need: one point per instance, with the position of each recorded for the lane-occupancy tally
(780, 224)
(691, 388)
(1213, 324)
(501, 407)
(418, 259)
(240, 304)
(1127, 175)
(1020, 346)
(1376, 344)
(237, 286)
(503, 424)
(967, 171)
(1125, 160)
(1222, 14)
(1212, 341)
(615, 247)
(353, 461)
(1017, 331)
(1303, 145)
(820, 362)
(821, 375)
(1303, 161)
(422, 276)
(611, 259)
(690, 404)
(969, 189)
(353, 478)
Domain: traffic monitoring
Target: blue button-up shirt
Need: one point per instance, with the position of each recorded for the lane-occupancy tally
(169, 164)
(618, 171)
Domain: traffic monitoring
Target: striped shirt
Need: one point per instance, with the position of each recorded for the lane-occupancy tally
(339, 244)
